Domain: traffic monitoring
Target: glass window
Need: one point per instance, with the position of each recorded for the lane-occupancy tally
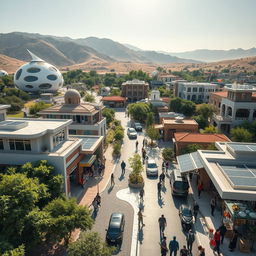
(200, 89)
(27, 145)
(72, 132)
(17, 76)
(52, 77)
(189, 89)
(1, 144)
(58, 138)
(33, 70)
(45, 86)
(11, 144)
(20, 145)
(29, 86)
(194, 89)
(30, 78)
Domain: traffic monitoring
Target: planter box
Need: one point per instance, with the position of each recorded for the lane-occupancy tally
(136, 185)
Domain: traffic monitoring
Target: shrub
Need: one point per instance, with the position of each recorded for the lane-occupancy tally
(110, 136)
(119, 134)
(33, 110)
(117, 148)
(135, 178)
(168, 154)
(109, 114)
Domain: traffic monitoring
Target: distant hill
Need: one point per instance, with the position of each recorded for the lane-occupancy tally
(215, 55)
(132, 47)
(58, 51)
(10, 64)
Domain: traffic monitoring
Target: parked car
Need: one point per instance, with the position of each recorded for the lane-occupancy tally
(179, 183)
(132, 134)
(186, 217)
(138, 127)
(115, 228)
(151, 167)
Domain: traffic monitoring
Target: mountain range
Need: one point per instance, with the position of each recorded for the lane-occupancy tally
(65, 51)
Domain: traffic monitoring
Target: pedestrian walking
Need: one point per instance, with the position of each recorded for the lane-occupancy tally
(82, 181)
(233, 241)
(190, 240)
(213, 205)
(223, 231)
(136, 144)
(163, 165)
(201, 251)
(144, 142)
(199, 189)
(164, 249)
(123, 165)
(173, 246)
(217, 241)
(184, 251)
(195, 210)
(98, 199)
(140, 218)
(166, 166)
(162, 224)
(112, 180)
(142, 192)
(162, 178)
(159, 188)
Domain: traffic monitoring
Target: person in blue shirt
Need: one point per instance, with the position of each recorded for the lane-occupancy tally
(173, 246)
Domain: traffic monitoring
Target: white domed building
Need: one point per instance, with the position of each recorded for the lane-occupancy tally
(3, 73)
(38, 76)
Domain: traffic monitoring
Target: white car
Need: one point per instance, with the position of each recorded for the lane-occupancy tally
(132, 134)
(151, 168)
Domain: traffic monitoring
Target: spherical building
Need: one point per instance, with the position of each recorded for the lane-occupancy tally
(3, 73)
(38, 76)
(72, 97)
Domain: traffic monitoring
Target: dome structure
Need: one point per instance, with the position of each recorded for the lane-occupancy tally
(3, 73)
(38, 76)
(72, 96)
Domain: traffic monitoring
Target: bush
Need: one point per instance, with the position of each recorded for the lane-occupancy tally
(168, 154)
(119, 134)
(117, 148)
(135, 178)
(110, 136)
(33, 110)
(109, 114)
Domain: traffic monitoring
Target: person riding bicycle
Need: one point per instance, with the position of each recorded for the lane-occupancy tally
(162, 223)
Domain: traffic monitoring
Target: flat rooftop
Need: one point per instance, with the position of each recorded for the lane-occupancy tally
(27, 128)
(89, 143)
(180, 122)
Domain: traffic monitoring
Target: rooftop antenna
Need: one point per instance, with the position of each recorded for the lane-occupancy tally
(34, 57)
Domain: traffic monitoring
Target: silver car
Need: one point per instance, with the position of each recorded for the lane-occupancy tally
(151, 168)
(132, 134)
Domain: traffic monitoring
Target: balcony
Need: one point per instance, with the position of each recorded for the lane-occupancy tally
(220, 118)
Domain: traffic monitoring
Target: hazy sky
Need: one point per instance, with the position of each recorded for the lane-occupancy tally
(167, 25)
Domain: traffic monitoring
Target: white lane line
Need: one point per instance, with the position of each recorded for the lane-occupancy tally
(132, 199)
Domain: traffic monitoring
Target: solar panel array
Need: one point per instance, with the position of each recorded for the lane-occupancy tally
(240, 176)
(88, 142)
(12, 125)
(242, 147)
(189, 162)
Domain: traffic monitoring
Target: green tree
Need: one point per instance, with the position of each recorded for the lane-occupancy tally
(210, 129)
(168, 154)
(241, 134)
(89, 244)
(20, 251)
(117, 148)
(188, 108)
(206, 111)
(66, 216)
(136, 164)
(89, 97)
(191, 148)
(139, 111)
(176, 105)
(115, 92)
(152, 133)
(119, 134)
(150, 119)
(37, 107)
(202, 122)
(109, 114)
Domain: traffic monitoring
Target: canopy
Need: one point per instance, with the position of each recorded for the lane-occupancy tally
(189, 162)
(87, 160)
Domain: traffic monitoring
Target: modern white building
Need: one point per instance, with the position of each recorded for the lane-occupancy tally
(3, 73)
(38, 76)
(238, 104)
(194, 91)
(230, 170)
(87, 117)
(30, 140)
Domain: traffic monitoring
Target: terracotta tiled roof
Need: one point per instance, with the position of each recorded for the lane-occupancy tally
(113, 98)
(166, 99)
(223, 94)
(198, 137)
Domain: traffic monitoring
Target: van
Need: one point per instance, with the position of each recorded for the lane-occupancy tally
(179, 183)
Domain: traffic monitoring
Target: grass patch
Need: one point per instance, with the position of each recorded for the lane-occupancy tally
(17, 115)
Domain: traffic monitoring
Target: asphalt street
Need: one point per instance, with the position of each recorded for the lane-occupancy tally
(149, 236)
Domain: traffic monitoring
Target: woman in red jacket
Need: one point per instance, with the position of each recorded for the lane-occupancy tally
(217, 240)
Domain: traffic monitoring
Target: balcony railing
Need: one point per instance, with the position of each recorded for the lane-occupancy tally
(222, 118)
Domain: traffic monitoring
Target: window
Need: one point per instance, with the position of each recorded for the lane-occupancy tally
(45, 86)
(1, 144)
(189, 89)
(30, 78)
(52, 77)
(72, 132)
(33, 70)
(29, 86)
(23, 145)
(58, 138)
(188, 97)
(194, 89)
(200, 89)
(17, 76)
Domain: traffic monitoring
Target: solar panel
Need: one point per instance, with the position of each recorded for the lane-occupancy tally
(88, 142)
(252, 147)
(189, 162)
(233, 173)
(196, 159)
(243, 182)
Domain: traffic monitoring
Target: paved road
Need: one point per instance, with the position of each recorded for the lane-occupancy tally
(149, 238)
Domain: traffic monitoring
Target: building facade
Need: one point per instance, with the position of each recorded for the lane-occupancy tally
(87, 117)
(135, 90)
(238, 104)
(31, 140)
(195, 91)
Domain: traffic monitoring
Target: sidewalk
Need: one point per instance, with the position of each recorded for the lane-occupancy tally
(207, 221)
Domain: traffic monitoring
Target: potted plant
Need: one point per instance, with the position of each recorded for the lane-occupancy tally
(153, 134)
(135, 178)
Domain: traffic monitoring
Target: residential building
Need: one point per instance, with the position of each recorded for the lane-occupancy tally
(114, 101)
(238, 104)
(195, 91)
(167, 78)
(135, 90)
(183, 139)
(169, 127)
(87, 117)
(30, 140)
(169, 115)
(216, 98)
